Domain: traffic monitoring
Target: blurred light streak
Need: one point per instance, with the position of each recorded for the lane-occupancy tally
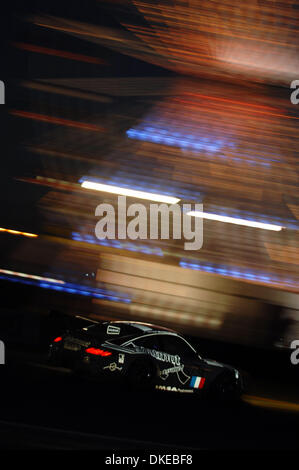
(57, 53)
(244, 109)
(54, 153)
(294, 209)
(170, 316)
(256, 41)
(67, 29)
(61, 90)
(232, 220)
(128, 192)
(252, 216)
(122, 245)
(53, 183)
(283, 253)
(185, 15)
(265, 402)
(193, 142)
(241, 39)
(88, 292)
(31, 276)
(55, 284)
(126, 179)
(17, 232)
(60, 121)
(161, 136)
(240, 273)
(241, 104)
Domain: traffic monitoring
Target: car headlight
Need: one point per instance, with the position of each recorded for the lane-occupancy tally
(237, 375)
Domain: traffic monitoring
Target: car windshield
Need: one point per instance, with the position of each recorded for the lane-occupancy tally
(121, 340)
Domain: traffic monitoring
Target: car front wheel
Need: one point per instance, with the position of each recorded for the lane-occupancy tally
(225, 389)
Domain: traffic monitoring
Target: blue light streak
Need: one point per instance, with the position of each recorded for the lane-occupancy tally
(119, 244)
(212, 145)
(243, 274)
(71, 288)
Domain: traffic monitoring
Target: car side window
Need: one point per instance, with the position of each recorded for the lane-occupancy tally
(177, 346)
(148, 342)
(130, 345)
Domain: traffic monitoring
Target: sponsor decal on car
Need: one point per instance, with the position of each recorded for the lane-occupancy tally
(160, 356)
(197, 382)
(179, 370)
(121, 358)
(173, 389)
(113, 330)
(112, 367)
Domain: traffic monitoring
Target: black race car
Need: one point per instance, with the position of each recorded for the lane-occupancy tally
(144, 356)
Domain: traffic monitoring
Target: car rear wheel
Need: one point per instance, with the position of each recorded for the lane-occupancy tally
(141, 375)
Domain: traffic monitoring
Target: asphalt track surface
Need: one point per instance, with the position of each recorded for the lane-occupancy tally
(44, 407)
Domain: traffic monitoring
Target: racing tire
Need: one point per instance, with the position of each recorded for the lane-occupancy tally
(225, 389)
(54, 359)
(141, 375)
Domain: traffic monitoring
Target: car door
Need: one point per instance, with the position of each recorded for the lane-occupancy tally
(183, 366)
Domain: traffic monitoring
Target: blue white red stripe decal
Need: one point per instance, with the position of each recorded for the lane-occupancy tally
(197, 382)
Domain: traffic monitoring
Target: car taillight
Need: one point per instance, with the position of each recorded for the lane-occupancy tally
(98, 352)
(56, 340)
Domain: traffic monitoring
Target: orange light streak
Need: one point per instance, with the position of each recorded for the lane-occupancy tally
(55, 52)
(17, 232)
(60, 121)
